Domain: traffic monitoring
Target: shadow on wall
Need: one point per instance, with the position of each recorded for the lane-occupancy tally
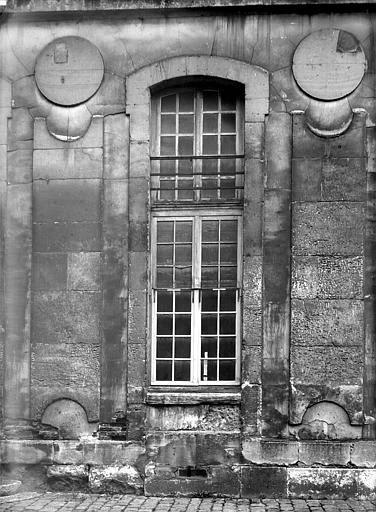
(69, 419)
(327, 421)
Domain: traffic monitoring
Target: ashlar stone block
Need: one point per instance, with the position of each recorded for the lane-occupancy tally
(328, 228)
(84, 271)
(68, 163)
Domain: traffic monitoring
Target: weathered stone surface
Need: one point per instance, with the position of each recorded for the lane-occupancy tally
(65, 317)
(332, 365)
(327, 322)
(343, 179)
(20, 129)
(68, 477)
(220, 481)
(69, 371)
(250, 408)
(19, 166)
(327, 228)
(69, 418)
(49, 271)
(116, 146)
(68, 452)
(112, 452)
(67, 236)
(279, 453)
(115, 479)
(321, 483)
(26, 452)
(326, 421)
(350, 398)
(66, 200)
(326, 277)
(68, 124)
(199, 417)
(363, 454)
(84, 271)
(54, 164)
(263, 481)
(8, 487)
(251, 365)
(326, 454)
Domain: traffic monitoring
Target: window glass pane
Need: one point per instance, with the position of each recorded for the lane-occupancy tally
(182, 370)
(209, 345)
(186, 102)
(229, 230)
(227, 188)
(210, 232)
(167, 167)
(167, 145)
(164, 324)
(228, 253)
(168, 123)
(183, 231)
(229, 276)
(212, 370)
(228, 144)
(186, 124)
(164, 370)
(228, 300)
(164, 347)
(210, 166)
(182, 347)
(209, 189)
(182, 324)
(227, 347)
(167, 189)
(164, 301)
(210, 145)
(185, 189)
(165, 254)
(183, 254)
(168, 103)
(210, 100)
(185, 167)
(228, 101)
(209, 254)
(164, 277)
(183, 277)
(209, 324)
(183, 301)
(227, 370)
(209, 277)
(227, 323)
(228, 123)
(185, 146)
(209, 300)
(228, 166)
(210, 123)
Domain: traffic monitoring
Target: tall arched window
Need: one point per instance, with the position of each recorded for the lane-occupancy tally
(197, 194)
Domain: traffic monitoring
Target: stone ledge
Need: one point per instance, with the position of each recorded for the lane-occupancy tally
(191, 398)
(30, 6)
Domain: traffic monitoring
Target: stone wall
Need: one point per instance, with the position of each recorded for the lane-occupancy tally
(75, 257)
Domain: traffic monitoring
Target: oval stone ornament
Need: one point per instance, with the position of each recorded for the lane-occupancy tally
(69, 70)
(329, 64)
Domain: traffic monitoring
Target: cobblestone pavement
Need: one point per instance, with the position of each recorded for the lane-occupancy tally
(54, 502)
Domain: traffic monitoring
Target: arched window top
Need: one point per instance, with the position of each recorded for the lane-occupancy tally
(198, 142)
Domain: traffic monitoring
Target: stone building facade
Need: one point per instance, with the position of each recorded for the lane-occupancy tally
(187, 246)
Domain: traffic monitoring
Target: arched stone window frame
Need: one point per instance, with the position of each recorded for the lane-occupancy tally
(138, 108)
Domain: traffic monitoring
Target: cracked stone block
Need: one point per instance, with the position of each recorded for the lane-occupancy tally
(115, 479)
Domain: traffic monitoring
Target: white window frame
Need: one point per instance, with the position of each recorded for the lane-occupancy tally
(197, 216)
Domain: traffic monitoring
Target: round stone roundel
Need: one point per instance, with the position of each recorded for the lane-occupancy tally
(329, 64)
(69, 70)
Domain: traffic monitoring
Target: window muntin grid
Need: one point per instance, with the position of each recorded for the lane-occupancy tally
(196, 320)
(199, 147)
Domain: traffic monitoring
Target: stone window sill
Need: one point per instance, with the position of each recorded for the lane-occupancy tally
(182, 396)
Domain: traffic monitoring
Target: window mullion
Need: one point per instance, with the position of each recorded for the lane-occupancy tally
(197, 163)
